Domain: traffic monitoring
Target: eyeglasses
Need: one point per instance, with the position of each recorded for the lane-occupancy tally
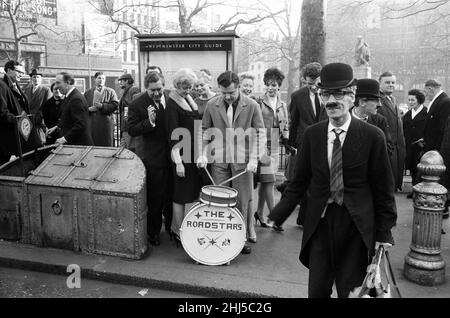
(19, 71)
(338, 95)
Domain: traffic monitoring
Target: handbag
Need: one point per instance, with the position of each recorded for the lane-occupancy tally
(379, 281)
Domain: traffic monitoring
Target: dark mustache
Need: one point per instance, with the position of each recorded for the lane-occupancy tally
(331, 105)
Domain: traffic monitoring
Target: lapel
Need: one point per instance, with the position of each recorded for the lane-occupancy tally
(240, 107)
(436, 102)
(309, 105)
(408, 117)
(389, 105)
(65, 101)
(18, 93)
(351, 150)
(323, 148)
(220, 103)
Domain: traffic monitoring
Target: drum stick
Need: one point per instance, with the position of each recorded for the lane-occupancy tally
(232, 178)
(209, 175)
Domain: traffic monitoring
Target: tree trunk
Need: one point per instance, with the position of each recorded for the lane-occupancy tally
(313, 32)
(291, 77)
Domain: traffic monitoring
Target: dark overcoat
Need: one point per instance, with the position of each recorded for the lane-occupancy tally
(37, 100)
(438, 113)
(391, 112)
(13, 101)
(413, 130)
(368, 189)
(74, 125)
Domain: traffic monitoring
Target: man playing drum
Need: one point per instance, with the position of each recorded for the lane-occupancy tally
(233, 129)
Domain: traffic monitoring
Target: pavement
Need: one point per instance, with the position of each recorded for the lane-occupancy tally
(271, 270)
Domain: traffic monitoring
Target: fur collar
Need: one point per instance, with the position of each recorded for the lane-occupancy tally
(183, 102)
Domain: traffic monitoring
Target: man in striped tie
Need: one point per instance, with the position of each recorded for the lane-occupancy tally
(344, 164)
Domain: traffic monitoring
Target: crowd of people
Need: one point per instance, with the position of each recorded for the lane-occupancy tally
(348, 147)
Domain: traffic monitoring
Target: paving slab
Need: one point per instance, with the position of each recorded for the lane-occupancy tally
(271, 270)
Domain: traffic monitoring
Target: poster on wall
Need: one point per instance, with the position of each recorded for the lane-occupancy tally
(29, 10)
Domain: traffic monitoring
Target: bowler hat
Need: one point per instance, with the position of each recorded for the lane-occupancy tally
(336, 76)
(34, 72)
(367, 87)
(125, 76)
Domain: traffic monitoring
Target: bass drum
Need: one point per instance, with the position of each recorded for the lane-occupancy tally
(213, 235)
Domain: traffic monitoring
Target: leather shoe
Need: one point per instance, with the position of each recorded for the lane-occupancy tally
(154, 240)
(246, 249)
(277, 228)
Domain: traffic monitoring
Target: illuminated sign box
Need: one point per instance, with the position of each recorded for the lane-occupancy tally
(213, 51)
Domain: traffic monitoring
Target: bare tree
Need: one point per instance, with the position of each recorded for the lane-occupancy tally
(288, 46)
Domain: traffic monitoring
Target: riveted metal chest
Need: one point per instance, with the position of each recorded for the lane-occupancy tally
(89, 199)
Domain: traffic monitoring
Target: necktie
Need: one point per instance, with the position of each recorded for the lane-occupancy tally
(230, 115)
(336, 175)
(317, 105)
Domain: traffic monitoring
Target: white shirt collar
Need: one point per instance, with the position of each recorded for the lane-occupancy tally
(70, 91)
(344, 127)
(415, 112)
(358, 117)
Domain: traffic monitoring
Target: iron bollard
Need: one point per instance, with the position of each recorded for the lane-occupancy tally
(424, 264)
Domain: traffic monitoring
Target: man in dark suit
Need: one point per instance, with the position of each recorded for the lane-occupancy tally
(438, 112)
(367, 101)
(305, 110)
(351, 207)
(13, 103)
(390, 110)
(73, 125)
(126, 82)
(146, 118)
(37, 95)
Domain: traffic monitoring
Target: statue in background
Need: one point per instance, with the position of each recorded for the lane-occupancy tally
(362, 52)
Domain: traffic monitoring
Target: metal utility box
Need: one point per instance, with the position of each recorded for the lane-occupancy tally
(89, 199)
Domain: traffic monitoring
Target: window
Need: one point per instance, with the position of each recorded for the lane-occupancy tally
(125, 55)
(138, 19)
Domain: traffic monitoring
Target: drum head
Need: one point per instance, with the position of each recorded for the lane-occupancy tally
(219, 195)
(213, 235)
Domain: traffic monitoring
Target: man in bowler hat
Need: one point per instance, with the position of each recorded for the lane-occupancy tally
(351, 205)
(367, 101)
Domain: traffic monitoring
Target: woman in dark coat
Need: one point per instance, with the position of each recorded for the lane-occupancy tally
(51, 112)
(181, 113)
(413, 126)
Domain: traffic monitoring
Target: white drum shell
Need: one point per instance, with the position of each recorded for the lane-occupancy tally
(213, 235)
